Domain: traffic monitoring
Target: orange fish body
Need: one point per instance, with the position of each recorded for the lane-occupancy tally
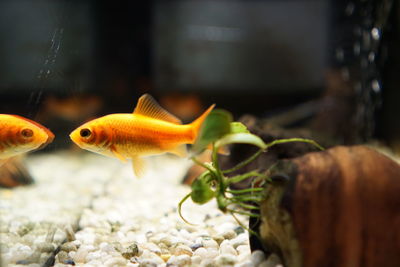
(19, 135)
(149, 130)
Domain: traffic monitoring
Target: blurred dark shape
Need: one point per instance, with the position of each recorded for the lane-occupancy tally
(336, 118)
(14, 173)
(46, 45)
(388, 127)
(355, 79)
(184, 106)
(240, 46)
(75, 108)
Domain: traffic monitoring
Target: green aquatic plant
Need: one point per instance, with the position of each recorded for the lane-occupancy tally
(219, 131)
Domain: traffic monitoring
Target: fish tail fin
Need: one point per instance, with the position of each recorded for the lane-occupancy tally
(196, 125)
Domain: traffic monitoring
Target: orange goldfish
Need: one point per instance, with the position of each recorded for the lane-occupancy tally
(149, 130)
(19, 135)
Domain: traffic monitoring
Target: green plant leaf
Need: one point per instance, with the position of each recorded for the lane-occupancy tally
(216, 125)
(242, 138)
(238, 127)
(201, 189)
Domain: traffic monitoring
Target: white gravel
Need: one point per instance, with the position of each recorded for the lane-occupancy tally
(98, 214)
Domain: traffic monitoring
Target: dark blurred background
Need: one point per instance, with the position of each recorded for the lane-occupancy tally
(335, 62)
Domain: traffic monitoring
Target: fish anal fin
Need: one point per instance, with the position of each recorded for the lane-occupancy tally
(148, 107)
(117, 154)
(180, 151)
(138, 166)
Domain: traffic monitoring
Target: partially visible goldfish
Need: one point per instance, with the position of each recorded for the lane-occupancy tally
(149, 130)
(19, 135)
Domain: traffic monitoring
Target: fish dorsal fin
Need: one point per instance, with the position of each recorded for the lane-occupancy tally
(147, 106)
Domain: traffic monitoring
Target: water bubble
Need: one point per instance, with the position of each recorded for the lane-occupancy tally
(376, 33)
(371, 56)
(339, 54)
(366, 40)
(358, 87)
(376, 87)
(364, 63)
(345, 73)
(349, 10)
(357, 49)
(357, 30)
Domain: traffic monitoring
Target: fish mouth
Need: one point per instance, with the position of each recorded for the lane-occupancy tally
(75, 137)
(50, 138)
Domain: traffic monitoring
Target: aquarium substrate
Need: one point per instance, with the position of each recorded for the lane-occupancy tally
(88, 210)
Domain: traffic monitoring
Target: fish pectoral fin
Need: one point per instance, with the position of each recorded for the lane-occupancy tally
(138, 166)
(148, 107)
(118, 155)
(2, 161)
(180, 151)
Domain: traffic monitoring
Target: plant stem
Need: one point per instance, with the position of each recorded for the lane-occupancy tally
(253, 198)
(288, 140)
(244, 227)
(245, 206)
(243, 191)
(244, 163)
(244, 213)
(180, 208)
(221, 183)
(239, 178)
(195, 160)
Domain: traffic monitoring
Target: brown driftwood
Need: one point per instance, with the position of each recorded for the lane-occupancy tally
(339, 207)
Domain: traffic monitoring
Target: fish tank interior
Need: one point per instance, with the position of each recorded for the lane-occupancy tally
(321, 70)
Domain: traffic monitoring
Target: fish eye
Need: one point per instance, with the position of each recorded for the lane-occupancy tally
(27, 133)
(85, 133)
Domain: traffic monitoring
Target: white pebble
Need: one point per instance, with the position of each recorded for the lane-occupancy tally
(152, 247)
(71, 254)
(196, 260)
(225, 260)
(272, 261)
(227, 248)
(148, 263)
(186, 235)
(182, 260)
(82, 252)
(243, 249)
(209, 243)
(94, 263)
(201, 252)
(182, 249)
(241, 239)
(246, 263)
(151, 256)
(229, 234)
(212, 253)
(117, 261)
(257, 257)
(93, 256)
